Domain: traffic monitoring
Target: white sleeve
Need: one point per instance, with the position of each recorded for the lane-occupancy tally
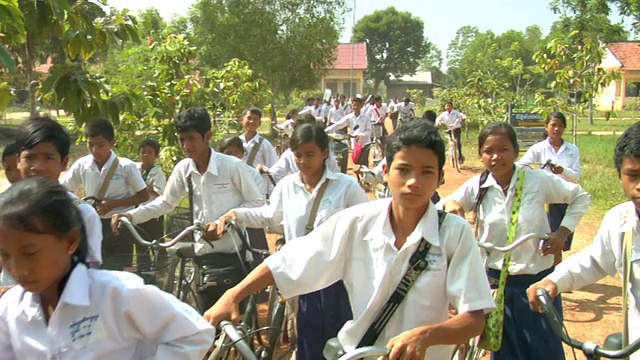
(573, 172)
(439, 119)
(465, 194)
(242, 179)
(270, 154)
(591, 264)
(355, 194)
(265, 215)
(134, 179)
(93, 229)
(72, 179)
(279, 169)
(338, 124)
(174, 191)
(177, 329)
(6, 347)
(558, 191)
(467, 285)
(332, 163)
(530, 157)
(159, 181)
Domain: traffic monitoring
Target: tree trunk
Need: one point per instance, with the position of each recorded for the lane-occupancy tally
(376, 85)
(591, 111)
(31, 81)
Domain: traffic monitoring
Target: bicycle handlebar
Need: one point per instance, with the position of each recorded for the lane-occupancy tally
(158, 242)
(237, 340)
(339, 136)
(265, 170)
(364, 352)
(233, 224)
(587, 347)
(504, 249)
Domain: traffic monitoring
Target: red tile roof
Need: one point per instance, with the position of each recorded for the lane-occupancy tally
(628, 53)
(351, 56)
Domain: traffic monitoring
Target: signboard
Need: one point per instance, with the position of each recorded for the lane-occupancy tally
(530, 127)
(526, 119)
(528, 136)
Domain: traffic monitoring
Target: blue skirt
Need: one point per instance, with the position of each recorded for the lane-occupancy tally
(527, 334)
(555, 216)
(321, 315)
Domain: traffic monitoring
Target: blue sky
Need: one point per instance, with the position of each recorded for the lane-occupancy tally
(441, 18)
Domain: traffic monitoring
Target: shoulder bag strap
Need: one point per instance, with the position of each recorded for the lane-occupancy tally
(190, 194)
(145, 174)
(316, 205)
(107, 179)
(626, 278)
(254, 152)
(417, 264)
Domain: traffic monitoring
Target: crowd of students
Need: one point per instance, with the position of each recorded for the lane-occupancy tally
(378, 272)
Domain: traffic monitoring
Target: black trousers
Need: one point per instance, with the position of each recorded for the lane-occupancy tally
(117, 250)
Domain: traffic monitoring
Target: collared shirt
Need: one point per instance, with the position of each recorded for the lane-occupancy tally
(317, 112)
(494, 215)
(266, 156)
(357, 246)
(126, 180)
(335, 114)
(226, 184)
(377, 113)
(286, 165)
(452, 120)
(364, 130)
(604, 257)
(290, 193)
(102, 315)
(154, 178)
(346, 108)
(406, 112)
(568, 156)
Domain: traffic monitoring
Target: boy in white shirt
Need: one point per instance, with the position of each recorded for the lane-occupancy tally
(315, 110)
(335, 112)
(406, 111)
(216, 183)
(9, 162)
(258, 151)
(156, 180)
(453, 120)
(119, 181)
(605, 256)
(357, 118)
(369, 247)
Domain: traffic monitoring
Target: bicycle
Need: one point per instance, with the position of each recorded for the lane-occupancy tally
(281, 140)
(454, 154)
(340, 145)
(247, 334)
(613, 344)
(359, 353)
(471, 350)
(183, 286)
(375, 148)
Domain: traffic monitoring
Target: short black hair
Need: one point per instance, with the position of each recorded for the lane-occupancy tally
(498, 127)
(100, 127)
(406, 99)
(449, 103)
(419, 133)
(307, 133)
(253, 111)
(231, 141)
(557, 115)
(377, 98)
(430, 115)
(10, 150)
(154, 144)
(41, 129)
(628, 145)
(305, 118)
(40, 206)
(193, 119)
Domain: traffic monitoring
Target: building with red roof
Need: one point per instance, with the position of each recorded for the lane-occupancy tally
(346, 74)
(623, 56)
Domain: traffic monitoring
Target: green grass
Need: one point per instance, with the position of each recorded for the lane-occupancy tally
(599, 176)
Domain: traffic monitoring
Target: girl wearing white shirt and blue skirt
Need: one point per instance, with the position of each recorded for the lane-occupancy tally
(565, 156)
(322, 313)
(63, 310)
(526, 334)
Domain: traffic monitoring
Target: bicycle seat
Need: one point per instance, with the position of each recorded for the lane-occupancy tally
(182, 250)
(613, 342)
(333, 349)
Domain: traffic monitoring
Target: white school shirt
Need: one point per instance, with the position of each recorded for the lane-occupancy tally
(286, 165)
(227, 184)
(317, 112)
(357, 246)
(291, 195)
(392, 107)
(494, 215)
(376, 113)
(156, 178)
(325, 109)
(126, 180)
(568, 156)
(346, 108)
(266, 156)
(93, 230)
(287, 126)
(404, 111)
(365, 128)
(452, 120)
(604, 257)
(102, 315)
(335, 114)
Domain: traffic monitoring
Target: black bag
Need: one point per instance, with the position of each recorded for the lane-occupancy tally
(218, 273)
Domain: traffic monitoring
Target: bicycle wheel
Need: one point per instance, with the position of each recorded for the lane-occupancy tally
(184, 287)
(376, 153)
(455, 156)
(460, 352)
(275, 333)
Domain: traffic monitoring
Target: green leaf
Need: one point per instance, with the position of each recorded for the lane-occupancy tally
(6, 61)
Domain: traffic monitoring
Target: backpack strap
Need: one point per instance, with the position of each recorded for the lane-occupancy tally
(107, 179)
(254, 152)
(316, 205)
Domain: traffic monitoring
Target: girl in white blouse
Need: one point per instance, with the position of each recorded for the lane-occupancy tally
(324, 312)
(63, 310)
(526, 335)
(566, 158)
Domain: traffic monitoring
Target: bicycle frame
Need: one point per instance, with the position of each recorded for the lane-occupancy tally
(591, 350)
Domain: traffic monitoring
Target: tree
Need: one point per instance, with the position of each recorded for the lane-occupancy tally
(458, 46)
(11, 32)
(285, 41)
(591, 17)
(150, 23)
(433, 59)
(395, 43)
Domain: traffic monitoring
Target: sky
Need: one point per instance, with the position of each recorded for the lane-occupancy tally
(442, 18)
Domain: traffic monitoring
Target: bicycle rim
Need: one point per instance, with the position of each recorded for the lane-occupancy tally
(273, 338)
(375, 154)
(188, 287)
